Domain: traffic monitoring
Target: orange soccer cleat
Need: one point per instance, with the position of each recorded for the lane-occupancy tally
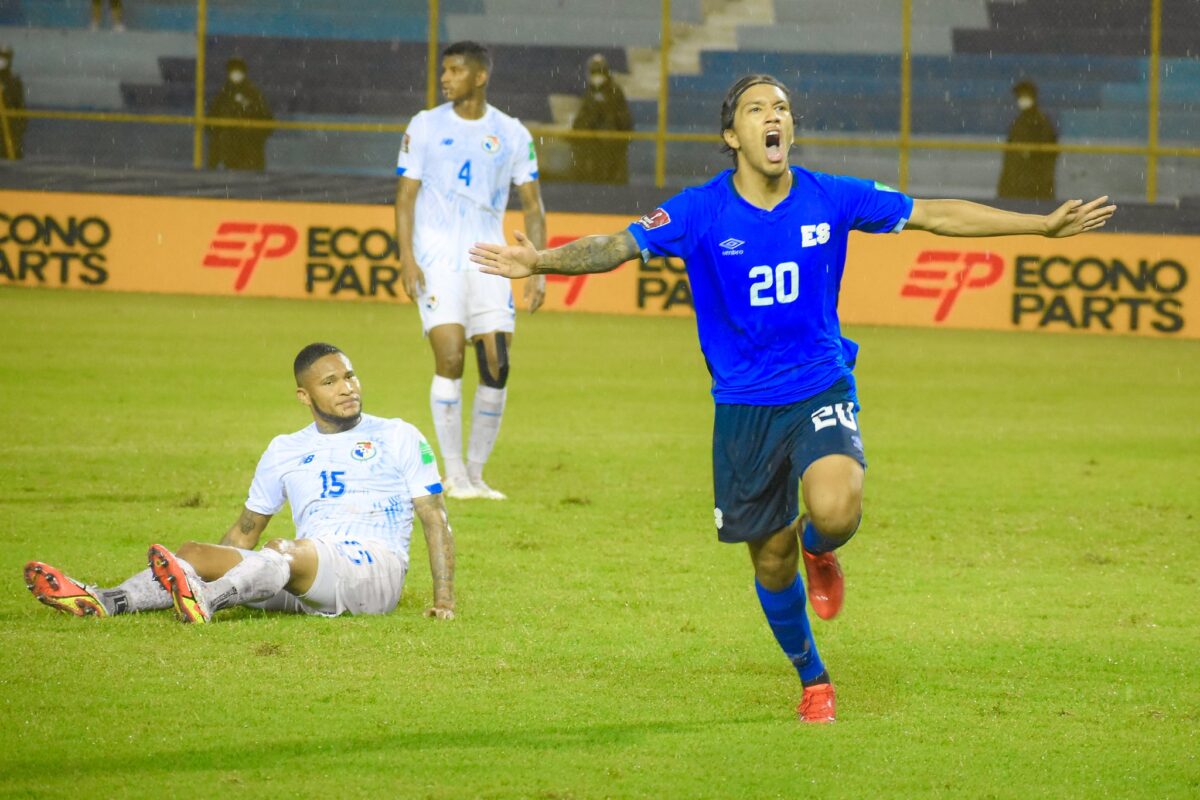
(819, 704)
(826, 586)
(61, 592)
(187, 593)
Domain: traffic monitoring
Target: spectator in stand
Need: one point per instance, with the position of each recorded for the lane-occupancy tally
(115, 11)
(238, 147)
(12, 93)
(604, 108)
(1027, 174)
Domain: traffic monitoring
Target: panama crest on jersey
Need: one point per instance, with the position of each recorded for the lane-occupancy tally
(491, 144)
(364, 451)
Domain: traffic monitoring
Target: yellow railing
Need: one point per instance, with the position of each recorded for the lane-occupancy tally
(904, 143)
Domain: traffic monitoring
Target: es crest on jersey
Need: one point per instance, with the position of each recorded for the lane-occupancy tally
(364, 451)
(491, 144)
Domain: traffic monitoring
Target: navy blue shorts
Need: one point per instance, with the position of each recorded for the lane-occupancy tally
(760, 453)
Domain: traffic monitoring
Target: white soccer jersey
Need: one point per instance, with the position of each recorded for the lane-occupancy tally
(357, 484)
(465, 167)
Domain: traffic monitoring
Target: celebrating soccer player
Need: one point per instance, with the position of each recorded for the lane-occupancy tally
(765, 248)
(353, 480)
(456, 163)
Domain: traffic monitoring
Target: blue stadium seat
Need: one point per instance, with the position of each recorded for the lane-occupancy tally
(1112, 27)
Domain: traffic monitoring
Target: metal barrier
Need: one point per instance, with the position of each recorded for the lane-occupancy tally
(905, 143)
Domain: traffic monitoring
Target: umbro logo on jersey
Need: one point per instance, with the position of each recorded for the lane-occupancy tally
(447, 142)
(731, 246)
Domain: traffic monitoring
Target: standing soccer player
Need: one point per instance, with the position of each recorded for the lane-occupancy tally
(765, 248)
(455, 166)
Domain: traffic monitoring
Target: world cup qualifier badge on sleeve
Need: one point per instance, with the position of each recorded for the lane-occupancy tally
(655, 219)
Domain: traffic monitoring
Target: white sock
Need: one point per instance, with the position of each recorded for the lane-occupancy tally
(486, 414)
(261, 574)
(445, 402)
(138, 593)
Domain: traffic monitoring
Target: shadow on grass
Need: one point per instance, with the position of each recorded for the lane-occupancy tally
(192, 756)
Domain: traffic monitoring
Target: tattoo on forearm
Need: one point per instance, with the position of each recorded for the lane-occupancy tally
(246, 523)
(535, 229)
(440, 542)
(589, 254)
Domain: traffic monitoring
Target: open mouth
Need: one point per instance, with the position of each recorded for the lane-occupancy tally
(775, 152)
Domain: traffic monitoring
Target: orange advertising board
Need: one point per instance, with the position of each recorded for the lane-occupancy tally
(1101, 283)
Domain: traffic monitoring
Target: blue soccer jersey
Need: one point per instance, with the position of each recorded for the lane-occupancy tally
(765, 283)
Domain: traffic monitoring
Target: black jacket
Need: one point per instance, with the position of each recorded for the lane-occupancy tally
(238, 148)
(1026, 173)
(14, 100)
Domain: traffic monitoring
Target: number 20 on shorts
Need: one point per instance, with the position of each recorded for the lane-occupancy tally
(838, 413)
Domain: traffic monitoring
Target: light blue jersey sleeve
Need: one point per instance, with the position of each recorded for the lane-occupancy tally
(870, 206)
(267, 491)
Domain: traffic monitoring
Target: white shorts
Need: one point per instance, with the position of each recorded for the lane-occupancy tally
(354, 576)
(480, 303)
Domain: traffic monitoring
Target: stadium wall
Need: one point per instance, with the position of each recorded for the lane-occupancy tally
(1102, 283)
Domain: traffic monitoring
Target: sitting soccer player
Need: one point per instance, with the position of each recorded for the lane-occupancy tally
(353, 480)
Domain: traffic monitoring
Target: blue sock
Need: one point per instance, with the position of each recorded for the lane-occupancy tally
(789, 622)
(816, 542)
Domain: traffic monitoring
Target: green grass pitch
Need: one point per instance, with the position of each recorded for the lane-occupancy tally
(1022, 614)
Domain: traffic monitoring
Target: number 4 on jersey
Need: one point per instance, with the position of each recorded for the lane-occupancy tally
(464, 174)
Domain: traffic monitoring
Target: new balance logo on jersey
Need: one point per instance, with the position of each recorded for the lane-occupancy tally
(241, 245)
(731, 246)
(813, 235)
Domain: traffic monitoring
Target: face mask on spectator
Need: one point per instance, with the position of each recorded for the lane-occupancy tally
(596, 79)
(3, 63)
(237, 76)
(1024, 102)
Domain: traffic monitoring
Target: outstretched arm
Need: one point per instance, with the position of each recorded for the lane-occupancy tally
(589, 254)
(246, 531)
(964, 218)
(440, 543)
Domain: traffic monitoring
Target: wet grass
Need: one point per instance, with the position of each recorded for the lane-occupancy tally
(1022, 604)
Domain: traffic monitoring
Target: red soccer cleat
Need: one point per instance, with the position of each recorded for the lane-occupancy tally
(818, 704)
(61, 592)
(826, 586)
(187, 593)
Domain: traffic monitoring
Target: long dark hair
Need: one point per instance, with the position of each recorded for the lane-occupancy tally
(729, 104)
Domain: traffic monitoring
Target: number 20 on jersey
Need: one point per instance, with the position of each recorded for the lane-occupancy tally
(771, 285)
